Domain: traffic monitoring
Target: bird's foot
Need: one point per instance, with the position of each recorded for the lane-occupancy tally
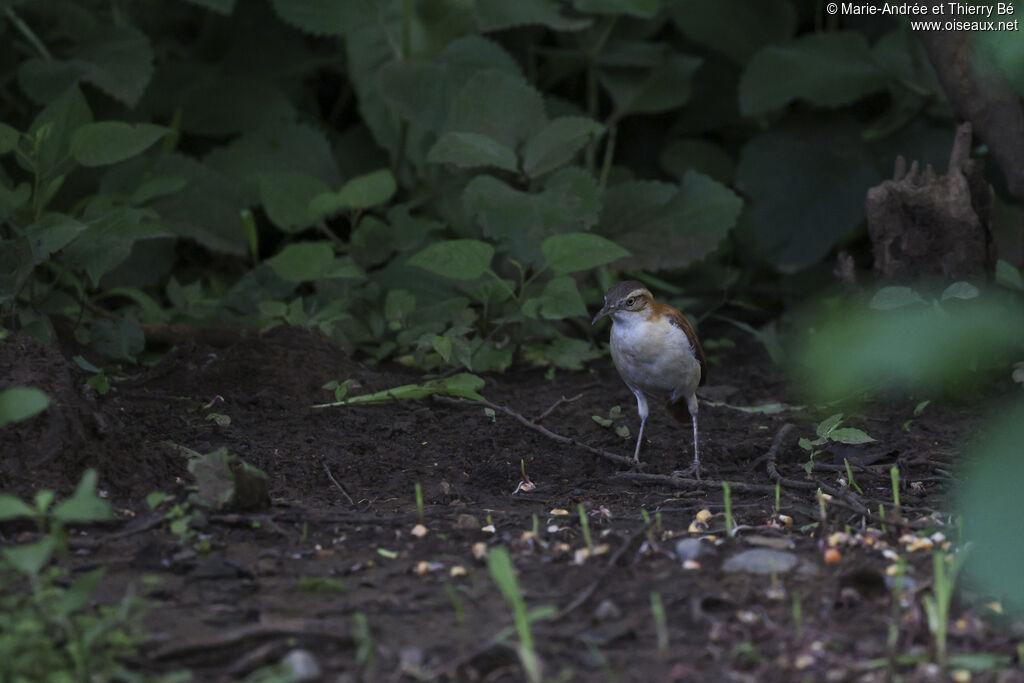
(691, 472)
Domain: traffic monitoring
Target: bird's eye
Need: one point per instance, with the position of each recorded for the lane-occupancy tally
(630, 301)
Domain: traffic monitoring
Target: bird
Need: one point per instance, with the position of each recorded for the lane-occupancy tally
(657, 354)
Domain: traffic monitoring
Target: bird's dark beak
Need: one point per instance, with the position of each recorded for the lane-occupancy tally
(600, 314)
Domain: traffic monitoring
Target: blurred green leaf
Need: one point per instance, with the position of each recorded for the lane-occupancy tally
(325, 17)
(638, 87)
(107, 240)
(735, 28)
(464, 384)
(8, 138)
(108, 142)
(220, 6)
(562, 352)
(12, 507)
(30, 558)
(576, 251)
(557, 143)
(57, 122)
(467, 150)
(498, 105)
(84, 506)
(286, 197)
(888, 298)
(560, 299)
(706, 158)
(826, 69)
(960, 290)
(21, 403)
(642, 9)
(849, 435)
(463, 259)
(1008, 276)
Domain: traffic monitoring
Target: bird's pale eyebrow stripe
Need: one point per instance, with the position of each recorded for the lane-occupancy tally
(636, 292)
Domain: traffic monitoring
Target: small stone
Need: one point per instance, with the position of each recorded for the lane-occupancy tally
(480, 550)
(703, 516)
(419, 531)
(607, 610)
(691, 565)
(761, 561)
(302, 665)
(467, 522)
(457, 571)
(689, 549)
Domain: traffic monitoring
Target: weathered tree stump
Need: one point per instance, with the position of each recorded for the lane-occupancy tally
(926, 226)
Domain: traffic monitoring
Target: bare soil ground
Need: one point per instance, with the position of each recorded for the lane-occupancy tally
(342, 490)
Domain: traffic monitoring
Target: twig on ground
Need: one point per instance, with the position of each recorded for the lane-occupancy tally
(290, 628)
(335, 482)
(618, 459)
(643, 478)
(557, 403)
(585, 594)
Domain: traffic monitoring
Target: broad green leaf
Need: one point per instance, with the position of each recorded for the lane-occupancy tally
(826, 426)
(496, 15)
(8, 138)
(51, 233)
(960, 290)
(463, 259)
(561, 299)
(576, 251)
(849, 435)
(501, 106)
(84, 506)
(557, 143)
(521, 221)
(826, 69)
(30, 558)
(325, 17)
(209, 103)
(463, 384)
(806, 188)
(56, 123)
(888, 298)
(107, 240)
(1008, 276)
(13, 199)
(12, 507)
(362, 192)
(643, 9)
(1003, 49)
(108, 142)
(422, 91)
(472, 149)
(159, 186)
(667, 226)
(563, 352)
(21, 403)
(286, 196)
(121, 341)
(78, 594)
(302, 261)
(735, 28)
(641, 89)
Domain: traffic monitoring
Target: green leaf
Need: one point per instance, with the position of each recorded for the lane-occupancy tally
(463, 259)
(643, 9)
(557, 143)
(668, 226)
(1008, 276)
(576, 251)
(21, 403)
(827, 69)
(849, 435)
(638, 87)
(57, 122)
(325, 17)
(108, 142)
(362, 192)
(225, 7)
(78, 593)
(561, 299)
(12, 507)
(496, 15)
(472, 149)
(8, 138)
(888, 298)
(807, 189)
(826, 426)
(30, 558)
(286, 197)
(960, 290)
(498, 105)
(603, 421)
(122, 340)
(84, 505)
(707, 158)
(521, 221)
(107, 240)
(302, 261)
(563, 352)
(463, 384)
(735, 28)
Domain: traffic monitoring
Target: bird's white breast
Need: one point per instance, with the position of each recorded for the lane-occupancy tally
(654, 357)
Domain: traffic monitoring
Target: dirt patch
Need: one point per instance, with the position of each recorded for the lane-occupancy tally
(342, 488)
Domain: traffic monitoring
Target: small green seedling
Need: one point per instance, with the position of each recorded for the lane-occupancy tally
(937, 603)
(366, 648)
(829, 430)
(849, 477)
(585, 526)
(660, 623)
(418, 491)
(463, 385)
(894, 474)
(727, 497)
(614, 413)
(499, 563)
(798, 613)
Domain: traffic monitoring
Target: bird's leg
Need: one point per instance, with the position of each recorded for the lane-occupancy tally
(641, 406)
(694, 469)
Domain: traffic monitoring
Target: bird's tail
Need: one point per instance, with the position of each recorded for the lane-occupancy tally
(678, 410)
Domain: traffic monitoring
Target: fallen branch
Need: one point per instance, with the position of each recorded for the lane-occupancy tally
(644, 478)
(290, 628)
(557, 403)
(617, 459)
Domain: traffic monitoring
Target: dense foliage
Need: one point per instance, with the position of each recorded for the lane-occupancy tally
(442, 181)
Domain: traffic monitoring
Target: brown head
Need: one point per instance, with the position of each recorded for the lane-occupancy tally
(628, 296)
